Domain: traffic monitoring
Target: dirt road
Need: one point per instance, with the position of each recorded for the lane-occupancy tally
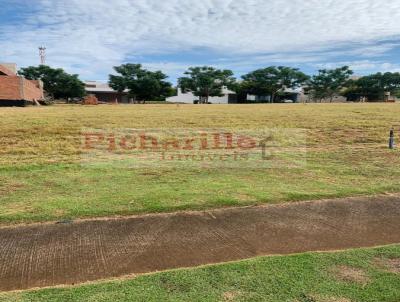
(55, 254)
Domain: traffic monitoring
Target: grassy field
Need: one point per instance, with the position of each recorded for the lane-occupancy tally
(366, 275)
(42, 179)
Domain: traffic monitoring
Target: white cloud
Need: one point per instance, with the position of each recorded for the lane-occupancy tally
(89, 37)
(362, 66)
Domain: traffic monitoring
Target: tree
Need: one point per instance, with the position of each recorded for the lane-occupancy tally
(273, 80)
(205, 82)
(329, 83)
(56, 82)
(375, 86)
(141, 83)
(240, 90)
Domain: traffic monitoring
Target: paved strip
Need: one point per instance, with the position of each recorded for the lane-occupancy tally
(62, 254)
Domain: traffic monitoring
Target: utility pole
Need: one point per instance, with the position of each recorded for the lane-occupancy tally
(391, 139)
(42, 54)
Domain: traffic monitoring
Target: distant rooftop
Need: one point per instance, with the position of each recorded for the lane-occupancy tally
(95, 86)
(8, 69)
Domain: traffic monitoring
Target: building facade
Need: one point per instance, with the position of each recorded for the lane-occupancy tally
(228, 97)
(104, 93)
(16, 90)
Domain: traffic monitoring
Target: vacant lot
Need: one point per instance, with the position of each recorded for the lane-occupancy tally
(41, 176)
(354, 276)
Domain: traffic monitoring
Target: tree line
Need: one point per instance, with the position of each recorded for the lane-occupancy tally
(205, 82)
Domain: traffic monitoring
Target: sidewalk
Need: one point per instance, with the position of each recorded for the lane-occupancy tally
(56, 254)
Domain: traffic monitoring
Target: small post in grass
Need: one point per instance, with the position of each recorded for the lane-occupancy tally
(391, 139)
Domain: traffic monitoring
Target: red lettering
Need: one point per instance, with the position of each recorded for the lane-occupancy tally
(88, 139)
(246, 143)
(144, 139)
(128, 139)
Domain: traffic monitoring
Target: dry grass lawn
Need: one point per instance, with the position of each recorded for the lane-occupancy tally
(41, 177)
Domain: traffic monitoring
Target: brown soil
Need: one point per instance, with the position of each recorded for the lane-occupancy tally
(70, 253)
(230, 296)
(351, 274)
(330, 299)
(391, 265)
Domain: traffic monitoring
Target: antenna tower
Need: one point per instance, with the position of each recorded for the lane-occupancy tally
(42, 54)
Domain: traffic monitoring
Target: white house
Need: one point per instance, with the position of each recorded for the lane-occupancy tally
(289, 95)
(229, 97)
(296, 95)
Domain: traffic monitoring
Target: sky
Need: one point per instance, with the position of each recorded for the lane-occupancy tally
(89, 37)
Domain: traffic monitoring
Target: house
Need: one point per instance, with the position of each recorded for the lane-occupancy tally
(229, 97)
(288, 96)
(104, 93)
(16, 90)
(297, 95)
